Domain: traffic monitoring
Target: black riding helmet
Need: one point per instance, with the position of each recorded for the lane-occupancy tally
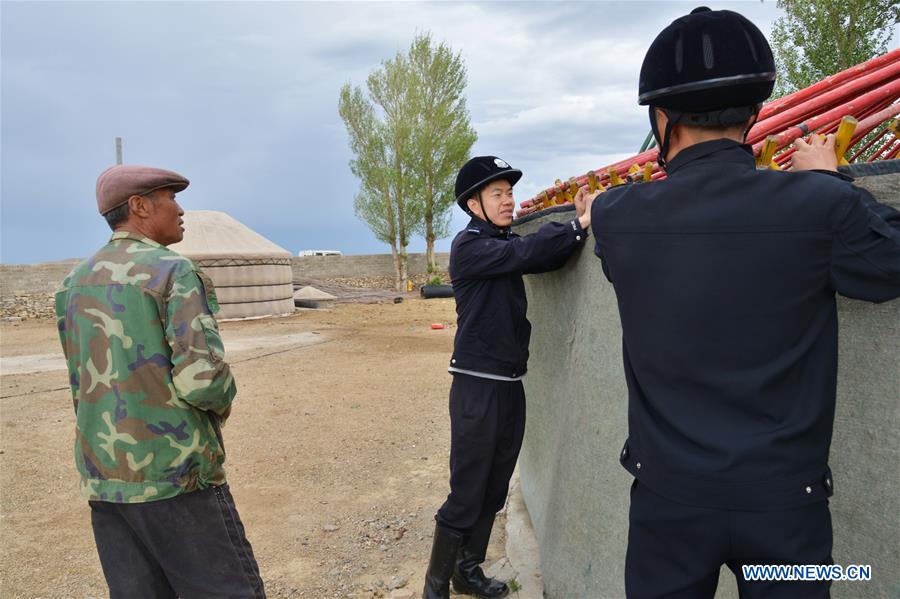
(478, 172)
(709, 68)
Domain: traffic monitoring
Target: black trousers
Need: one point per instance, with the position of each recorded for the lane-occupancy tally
(192, 545)
(676, 551)
(487, 423)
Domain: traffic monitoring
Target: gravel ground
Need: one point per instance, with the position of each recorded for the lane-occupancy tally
(337, 454)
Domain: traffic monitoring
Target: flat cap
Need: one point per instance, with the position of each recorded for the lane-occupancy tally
(118, 183)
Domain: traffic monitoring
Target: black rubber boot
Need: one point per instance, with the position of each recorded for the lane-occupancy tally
(468, 578)
(443, 559)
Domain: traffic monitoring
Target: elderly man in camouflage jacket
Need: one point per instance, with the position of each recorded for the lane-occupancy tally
(151, 390)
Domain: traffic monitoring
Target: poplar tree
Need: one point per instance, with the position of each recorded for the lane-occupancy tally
(373, 203)
(443, 136)
(409, 133)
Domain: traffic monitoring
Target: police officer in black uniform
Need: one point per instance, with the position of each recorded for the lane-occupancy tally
(490, 356)
(725, 277)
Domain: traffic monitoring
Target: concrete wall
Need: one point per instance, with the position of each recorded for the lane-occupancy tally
(40, 278)
(575, 490)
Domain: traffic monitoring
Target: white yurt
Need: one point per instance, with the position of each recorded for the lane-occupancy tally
(252, 275)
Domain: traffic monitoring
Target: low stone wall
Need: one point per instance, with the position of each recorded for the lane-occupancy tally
(575, 489)
(18, 279)
(367, 265)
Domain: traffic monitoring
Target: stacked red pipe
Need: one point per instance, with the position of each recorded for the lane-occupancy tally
(869, 92)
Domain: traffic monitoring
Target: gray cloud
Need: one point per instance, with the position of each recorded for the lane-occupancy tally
(242, 98)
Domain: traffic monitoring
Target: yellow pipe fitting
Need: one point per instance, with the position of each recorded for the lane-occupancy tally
(594, 182)
(614, 178)
(842, 138)
(648, 171)
(543, 200)
(767, 152)
(573, 189)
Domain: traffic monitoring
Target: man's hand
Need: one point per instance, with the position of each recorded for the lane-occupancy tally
(583, 200)
(818, 154)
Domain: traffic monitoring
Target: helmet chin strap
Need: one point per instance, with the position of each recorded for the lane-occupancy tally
(753, 120)
(672, 118)
(483, 211)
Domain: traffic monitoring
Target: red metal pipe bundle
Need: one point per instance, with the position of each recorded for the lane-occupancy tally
(868, 91)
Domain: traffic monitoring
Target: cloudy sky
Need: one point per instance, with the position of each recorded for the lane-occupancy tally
(241, 97)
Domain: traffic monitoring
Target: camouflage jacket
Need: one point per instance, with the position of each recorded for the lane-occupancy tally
(146, 368)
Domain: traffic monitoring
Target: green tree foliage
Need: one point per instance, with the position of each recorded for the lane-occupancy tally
(379, 130)
(409, 134)
(442, 136)
(370, 164)
(817, 38)
(391, 89)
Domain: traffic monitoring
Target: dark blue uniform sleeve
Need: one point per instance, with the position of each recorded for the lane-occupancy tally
(544, 250)
(865, 257)
(598, 249)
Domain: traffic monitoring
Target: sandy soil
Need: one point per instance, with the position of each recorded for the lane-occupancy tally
(337, 452)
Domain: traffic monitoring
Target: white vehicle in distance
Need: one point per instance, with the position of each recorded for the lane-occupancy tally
(320, 253)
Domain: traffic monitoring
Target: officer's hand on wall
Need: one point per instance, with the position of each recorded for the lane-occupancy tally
(818, 154)
(583, 200)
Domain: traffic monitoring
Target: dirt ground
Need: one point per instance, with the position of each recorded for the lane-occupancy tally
(337, 452)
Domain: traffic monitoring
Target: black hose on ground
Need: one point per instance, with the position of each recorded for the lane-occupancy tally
(432, 291)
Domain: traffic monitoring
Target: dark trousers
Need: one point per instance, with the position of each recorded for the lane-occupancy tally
(192, 545)
(675, 550)
(487, 423)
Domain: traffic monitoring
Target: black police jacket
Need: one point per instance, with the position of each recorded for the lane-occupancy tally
(725, 277)
(486, 266)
